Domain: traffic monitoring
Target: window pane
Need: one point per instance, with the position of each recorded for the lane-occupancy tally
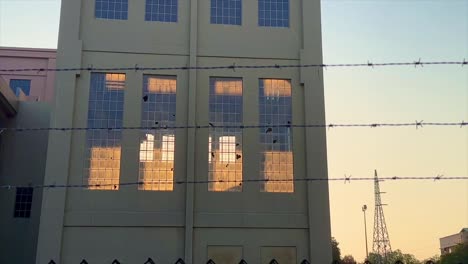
(161, 10)
(23, 202)
(105, 110)
(277, 156)
(227, 12)
(111, 9)
(18, 86)
(225, 144)
(157, 146)
(273, 13)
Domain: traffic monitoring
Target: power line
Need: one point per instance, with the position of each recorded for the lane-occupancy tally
(416, 124)
(234, 66)
(241, 182)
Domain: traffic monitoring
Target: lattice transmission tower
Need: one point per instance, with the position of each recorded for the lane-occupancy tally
(381, 244)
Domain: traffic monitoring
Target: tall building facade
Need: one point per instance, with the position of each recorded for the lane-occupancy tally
(225, 191)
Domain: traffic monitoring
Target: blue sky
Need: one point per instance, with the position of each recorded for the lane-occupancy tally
(356, 31)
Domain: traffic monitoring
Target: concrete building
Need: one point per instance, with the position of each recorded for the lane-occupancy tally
(34, 85)
(223, 218)
(448, 243)
(22, 162)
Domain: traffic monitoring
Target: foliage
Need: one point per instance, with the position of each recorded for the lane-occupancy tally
(336, 252)
(393, 257)
(348, 259)
(458, 255)
(435, 259)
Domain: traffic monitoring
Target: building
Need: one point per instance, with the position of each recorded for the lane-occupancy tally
(448, 243)
(225, 216)
(31, 85)
(24, 102)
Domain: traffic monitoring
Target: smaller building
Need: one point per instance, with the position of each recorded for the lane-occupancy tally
(25, 101)
(448, 243)
(29, 85)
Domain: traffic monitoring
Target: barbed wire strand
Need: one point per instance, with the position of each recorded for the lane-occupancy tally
(241, 182)
(417, 124)
(234, 66)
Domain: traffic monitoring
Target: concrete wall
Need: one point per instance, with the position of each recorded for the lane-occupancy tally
(133, 225)
(22, 162)
(42, 82)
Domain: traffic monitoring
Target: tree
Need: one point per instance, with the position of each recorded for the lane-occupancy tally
(348, 259)
(336, 252)
(458, 255)
(435, 259)
(393, 257)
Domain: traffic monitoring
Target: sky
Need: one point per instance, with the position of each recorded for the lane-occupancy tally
(358, 31)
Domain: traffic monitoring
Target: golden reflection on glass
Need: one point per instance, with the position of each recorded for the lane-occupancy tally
(157, 147)
(115, 81)
(104, 168)
(225, 144)
(278, 169)
(103, 150)
(276, 165)
(225, 165)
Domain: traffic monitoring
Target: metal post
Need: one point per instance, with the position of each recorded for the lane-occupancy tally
(364, 208)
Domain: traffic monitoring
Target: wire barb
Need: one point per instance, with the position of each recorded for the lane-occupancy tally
(419, 124)
(347, 179)
(416, 63)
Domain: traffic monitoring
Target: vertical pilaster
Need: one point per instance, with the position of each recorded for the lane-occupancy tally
(58, 152)
(316, 141)
(191, 133)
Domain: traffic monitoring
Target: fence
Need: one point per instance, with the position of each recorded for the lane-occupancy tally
(273, 261)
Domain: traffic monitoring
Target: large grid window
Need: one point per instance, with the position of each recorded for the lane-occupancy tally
(23, 202)
(103, 149)
(157, 146)
(161, 10)
(277, 156)
(225, 144)
(228, 12)
(19, 86)
(273, 13)
(111, 9)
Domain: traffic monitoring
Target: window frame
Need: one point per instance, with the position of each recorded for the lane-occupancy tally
(123, 12)
(219, 20)
(286, 23)
(153, 17)
(23, 208)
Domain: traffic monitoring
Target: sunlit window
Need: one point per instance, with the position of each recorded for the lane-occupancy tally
(276, 164)
(227, 12)
(157, 147)
(273, 13)
(147, 148)
(225, 144)
(103, 149)
(111, 9)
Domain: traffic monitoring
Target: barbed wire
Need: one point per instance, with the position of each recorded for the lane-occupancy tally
(416, 124)
(241, 182)
(136, 67)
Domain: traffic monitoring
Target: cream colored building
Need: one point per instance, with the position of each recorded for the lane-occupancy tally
(231, 213)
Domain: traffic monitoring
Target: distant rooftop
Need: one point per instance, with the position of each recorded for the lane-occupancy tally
(27, 52)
